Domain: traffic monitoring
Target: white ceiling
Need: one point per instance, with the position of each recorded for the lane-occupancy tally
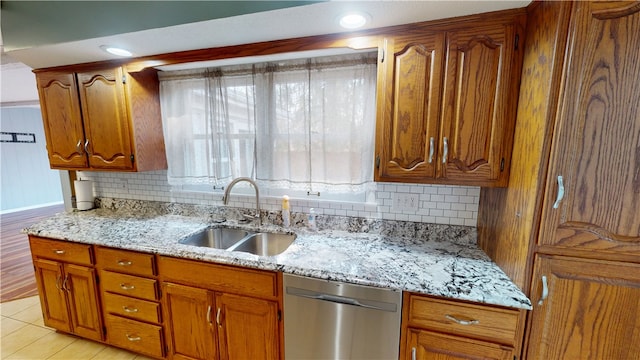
(307, 20)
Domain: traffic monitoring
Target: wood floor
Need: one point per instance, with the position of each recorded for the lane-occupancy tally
(16, 268)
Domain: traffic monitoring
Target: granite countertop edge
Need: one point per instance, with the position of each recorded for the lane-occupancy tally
(444, 268)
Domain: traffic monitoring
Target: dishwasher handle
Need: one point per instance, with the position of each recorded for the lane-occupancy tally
(368, 304)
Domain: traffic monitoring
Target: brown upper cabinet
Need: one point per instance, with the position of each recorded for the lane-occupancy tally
(102, 119)
(446, 104)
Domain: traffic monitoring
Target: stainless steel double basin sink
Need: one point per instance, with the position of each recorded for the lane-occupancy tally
(257, 243)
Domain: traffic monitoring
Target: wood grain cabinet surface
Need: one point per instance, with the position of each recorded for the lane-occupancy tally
(436, 328)
(587, 270)
(67, 288)
(131, 301)
(585, 309)
(446, 104)
(567, 228)
(206, 319)
(102, 119)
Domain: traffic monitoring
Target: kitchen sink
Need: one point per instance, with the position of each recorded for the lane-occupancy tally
(215, 237)
(262, 243)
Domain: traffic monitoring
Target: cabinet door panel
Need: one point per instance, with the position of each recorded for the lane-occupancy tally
(597, 142)
(408, 110)
(591, 311)
(478, 112)
(62, 119)
(434, 346)
(248, 328)
(106, 120)
(190, 319)
(83, 301)
(53, 298)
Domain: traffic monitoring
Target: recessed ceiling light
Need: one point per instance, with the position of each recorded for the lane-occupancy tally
(353, 20)
(116, 50)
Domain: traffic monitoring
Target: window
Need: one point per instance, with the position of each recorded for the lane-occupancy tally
(295, 126)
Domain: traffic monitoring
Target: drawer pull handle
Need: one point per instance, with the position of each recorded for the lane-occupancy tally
(461, 322)
(129, 309)
(545, 290)
(58, 282)
(432, 145)
(66, 287)
(59, 252)
(124, 263)
(445, 152)
(124, 286)
(560, 194)
(133, 337)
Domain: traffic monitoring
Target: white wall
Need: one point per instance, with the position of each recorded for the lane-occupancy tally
(25, 176)
(18, 84)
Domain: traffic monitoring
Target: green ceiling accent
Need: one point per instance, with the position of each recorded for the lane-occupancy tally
(35, 23)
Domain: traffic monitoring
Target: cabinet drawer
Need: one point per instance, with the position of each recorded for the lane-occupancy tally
(129, 262)
(135, 335)
(477, 321)
(257, 283)
(129, 285)
(131, 307)
(65, 251)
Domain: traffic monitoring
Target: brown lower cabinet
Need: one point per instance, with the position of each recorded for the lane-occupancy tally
(67, 286)
(230, 313)
(580, 303)
(159, 306)
(131, 301)
(441, 329)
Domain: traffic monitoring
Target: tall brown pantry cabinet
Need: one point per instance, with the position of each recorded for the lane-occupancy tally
(568, 227)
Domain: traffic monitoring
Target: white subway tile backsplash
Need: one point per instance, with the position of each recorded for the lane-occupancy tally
(441, 204)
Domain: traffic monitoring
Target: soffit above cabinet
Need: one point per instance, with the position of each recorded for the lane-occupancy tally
(310, 18)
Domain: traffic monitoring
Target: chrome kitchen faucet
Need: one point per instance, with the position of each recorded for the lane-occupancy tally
(225, 197)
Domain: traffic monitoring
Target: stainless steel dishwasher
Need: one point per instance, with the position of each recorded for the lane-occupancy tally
(333, 320)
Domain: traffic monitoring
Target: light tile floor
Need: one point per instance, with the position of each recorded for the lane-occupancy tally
(24, 336)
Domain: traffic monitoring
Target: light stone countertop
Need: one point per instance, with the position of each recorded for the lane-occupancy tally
(440, 263)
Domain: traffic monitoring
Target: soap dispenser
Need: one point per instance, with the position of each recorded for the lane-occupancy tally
(311, 220)
(286, 213)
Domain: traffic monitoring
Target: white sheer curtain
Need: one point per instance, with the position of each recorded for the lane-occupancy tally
(209, 127)
(303, 124)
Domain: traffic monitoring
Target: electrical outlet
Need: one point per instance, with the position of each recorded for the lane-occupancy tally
(405, 202)
(121, 185)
